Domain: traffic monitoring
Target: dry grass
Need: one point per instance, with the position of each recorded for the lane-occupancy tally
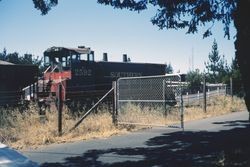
(147, 116)
(21, 129)
(28, 129)
(217, 106)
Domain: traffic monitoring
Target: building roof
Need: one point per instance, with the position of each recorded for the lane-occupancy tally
(5, 63)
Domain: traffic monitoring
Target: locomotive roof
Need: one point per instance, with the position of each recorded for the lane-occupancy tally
(130, 62)
(66, 49)
(5, 63)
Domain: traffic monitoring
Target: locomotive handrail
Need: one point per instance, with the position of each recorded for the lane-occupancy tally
(54, 68)
(46, 69)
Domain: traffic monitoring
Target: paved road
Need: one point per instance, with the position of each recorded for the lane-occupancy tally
(203, 143)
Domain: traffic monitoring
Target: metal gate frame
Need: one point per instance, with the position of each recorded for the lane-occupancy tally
(174, 85)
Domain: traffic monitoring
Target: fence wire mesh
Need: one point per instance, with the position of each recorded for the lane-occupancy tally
(154, 100)
(195, 98)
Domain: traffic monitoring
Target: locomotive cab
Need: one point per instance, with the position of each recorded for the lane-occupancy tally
(58, 62)
(61, 58)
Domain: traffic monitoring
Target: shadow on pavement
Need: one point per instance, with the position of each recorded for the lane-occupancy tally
(224, 148)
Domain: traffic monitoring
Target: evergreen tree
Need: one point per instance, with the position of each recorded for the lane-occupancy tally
(27, 59)
(13, 58)
(169, 68)
(194, 79)
(3, 55)
(216, 66)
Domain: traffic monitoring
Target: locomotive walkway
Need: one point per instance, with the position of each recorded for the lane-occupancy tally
(207, 142)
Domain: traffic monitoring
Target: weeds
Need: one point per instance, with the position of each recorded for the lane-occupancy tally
(135, 114)
(22, 128)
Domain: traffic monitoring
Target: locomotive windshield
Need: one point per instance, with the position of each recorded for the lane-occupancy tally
(63, 57)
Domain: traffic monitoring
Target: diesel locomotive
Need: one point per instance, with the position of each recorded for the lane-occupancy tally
(84, 78)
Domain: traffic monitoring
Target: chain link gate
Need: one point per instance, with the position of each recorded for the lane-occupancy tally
(150, 101)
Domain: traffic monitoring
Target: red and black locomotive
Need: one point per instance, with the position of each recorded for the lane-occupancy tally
(85, 79)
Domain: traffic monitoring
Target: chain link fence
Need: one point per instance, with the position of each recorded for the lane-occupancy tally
(196, 98)
(152, 100)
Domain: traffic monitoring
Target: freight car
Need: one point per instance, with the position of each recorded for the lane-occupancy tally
(83, 77)
(13, 78)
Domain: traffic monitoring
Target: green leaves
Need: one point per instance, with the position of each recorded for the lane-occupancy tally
(44, 5)
(171, 14)
(216, 66)
(190, 14)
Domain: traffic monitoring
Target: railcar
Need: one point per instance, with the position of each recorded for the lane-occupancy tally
(13, 78)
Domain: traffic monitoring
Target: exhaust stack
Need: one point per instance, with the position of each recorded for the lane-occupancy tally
(125, 58)
(105, 57)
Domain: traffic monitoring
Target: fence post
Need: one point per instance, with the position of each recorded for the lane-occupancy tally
(182, 111)
(59, 107)
(30, 92)
(164, 98)
(208, 95)
(198, 95)
(187, 99)
(204, 95)
(43, 86)
(231, 87)
(37, 89)
(34, 91)
(115, 113)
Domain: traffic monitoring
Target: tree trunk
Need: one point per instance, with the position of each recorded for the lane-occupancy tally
(242, 44)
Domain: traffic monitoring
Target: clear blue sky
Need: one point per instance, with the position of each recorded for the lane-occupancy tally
(104, 29)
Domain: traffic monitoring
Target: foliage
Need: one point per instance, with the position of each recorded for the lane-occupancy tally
(169, 68)
(216, 66)
(219, 72)
(171, 14)
(183, 13)
(237, 79)
(194, 79)
(16, 58)
(44, 5)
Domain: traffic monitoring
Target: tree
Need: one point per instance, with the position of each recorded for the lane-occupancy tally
(169, 68)
(216, 66)
(24, 59)
(3, 55)
(190, 14)
(194, 79)
(13, 58)
(44, 5)
(236, 78)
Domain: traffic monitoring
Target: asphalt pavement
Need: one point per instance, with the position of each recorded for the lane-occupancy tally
(207, 142)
